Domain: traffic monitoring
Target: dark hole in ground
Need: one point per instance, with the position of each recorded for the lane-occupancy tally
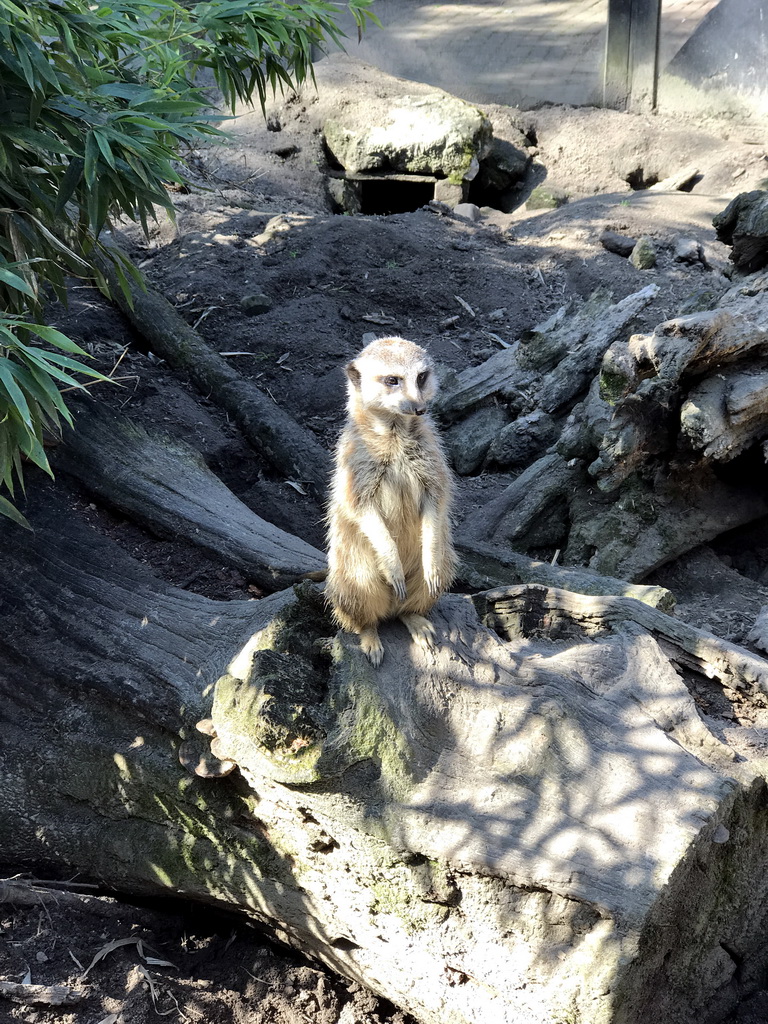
(380, 196)
(637, 180)
(482, 194)
(691, 185)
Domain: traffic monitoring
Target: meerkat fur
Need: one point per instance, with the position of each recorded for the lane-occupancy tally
(390, 550)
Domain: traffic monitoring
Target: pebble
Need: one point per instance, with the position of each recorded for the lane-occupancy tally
(468, 211)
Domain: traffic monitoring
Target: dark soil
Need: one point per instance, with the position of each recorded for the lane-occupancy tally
(170, 961)
(259, 220)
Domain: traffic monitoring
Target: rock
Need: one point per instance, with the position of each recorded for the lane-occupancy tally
(468, 441)
(433, 134)
(448, 192)
(344, 195)
(546, 197)
(643, 256)
(504, 166)
(368, 337)
(468, 211)
(687, 250)
(255, 303)
(622, 245)
(743, 224)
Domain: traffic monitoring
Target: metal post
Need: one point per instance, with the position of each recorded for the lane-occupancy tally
(632, 54)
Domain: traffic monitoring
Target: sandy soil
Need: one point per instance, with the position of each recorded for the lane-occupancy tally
(259, 220)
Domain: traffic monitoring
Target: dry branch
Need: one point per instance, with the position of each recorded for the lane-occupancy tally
(40, 995)
(551, 365)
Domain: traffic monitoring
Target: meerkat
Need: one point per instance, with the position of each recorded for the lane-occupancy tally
(390, 550)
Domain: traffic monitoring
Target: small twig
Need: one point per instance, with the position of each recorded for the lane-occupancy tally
(92, 383)
(203, 315)
(111, 376)
(76, 960)
(497, 339)
(465, 304)
(49, 995)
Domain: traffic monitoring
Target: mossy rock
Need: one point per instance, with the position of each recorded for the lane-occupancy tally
(546, 197)
(433, 134)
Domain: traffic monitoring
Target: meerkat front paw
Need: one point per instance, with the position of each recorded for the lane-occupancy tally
(433, 582)
(371, 646)
(396, 580)
(421, 629)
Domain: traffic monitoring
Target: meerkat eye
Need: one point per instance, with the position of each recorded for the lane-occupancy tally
(391, 382)
(422, 379)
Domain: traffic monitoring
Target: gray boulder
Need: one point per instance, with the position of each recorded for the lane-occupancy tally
(505, 165)
(434, 134)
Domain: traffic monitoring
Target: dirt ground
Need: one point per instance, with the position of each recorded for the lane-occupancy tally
(258, 220)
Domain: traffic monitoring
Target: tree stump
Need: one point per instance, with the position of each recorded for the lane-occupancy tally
(531, 823)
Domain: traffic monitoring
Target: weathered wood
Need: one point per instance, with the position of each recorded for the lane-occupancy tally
(545, 611)
(507, 830)
(691, 395)
(532, 508)
(677, 182)
(290, 448)
(641, 380)
(486, 566)
(743, 224)
(551, 365)
(727, 412)
(40, 995)
(165, 485)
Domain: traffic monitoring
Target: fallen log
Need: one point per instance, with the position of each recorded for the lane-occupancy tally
(503, 828)
(165, 485)
(487, 566)
(290, 448)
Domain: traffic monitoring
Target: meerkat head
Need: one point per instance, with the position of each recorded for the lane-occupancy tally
(391, 377)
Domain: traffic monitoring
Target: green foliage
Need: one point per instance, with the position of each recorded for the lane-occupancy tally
(99, 101)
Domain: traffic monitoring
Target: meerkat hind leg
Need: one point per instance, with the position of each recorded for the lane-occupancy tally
(421, 629)
(371, 645)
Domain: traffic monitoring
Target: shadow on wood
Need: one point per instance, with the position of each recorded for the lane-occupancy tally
(513, 827)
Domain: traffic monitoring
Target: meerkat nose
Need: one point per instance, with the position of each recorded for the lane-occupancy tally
(420, 410)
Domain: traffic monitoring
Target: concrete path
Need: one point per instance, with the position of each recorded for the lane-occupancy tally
(517, 52)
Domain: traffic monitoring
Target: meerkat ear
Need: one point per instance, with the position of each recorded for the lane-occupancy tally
(354, 374)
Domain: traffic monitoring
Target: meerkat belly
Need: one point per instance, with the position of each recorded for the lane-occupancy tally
(400, 500)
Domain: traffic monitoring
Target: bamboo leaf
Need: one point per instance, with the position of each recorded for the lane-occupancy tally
(14, 281)
(10, 510)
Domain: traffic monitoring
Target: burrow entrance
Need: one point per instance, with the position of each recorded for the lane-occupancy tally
(382, 194)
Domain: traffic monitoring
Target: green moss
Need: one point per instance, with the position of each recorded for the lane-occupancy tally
(374, 736)
(401, 899)
(613, 386)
